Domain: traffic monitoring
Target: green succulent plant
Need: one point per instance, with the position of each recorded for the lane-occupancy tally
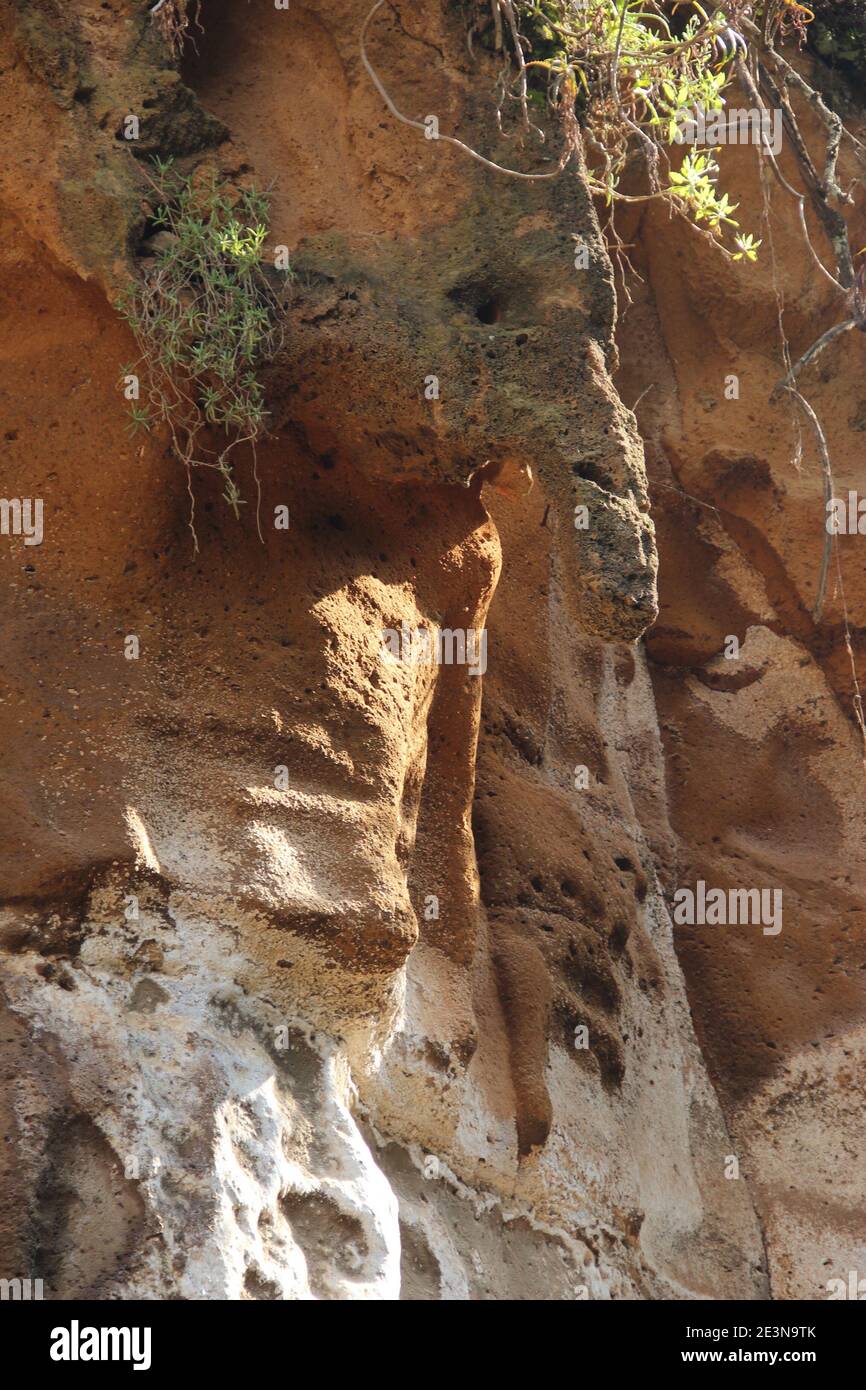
(206, 316)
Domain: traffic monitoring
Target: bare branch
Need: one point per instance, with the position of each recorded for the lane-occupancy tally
(448, 139)
(828, 494)
(811, 353)
(749, 83)
(497, 24)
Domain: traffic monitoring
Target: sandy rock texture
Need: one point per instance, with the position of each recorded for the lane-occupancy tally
(410, 1020)
(763, 755)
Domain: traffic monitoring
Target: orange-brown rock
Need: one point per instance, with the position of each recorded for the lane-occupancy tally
(328, 975)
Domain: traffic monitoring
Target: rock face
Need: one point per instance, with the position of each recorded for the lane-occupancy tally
(764, 758)
(327, 975)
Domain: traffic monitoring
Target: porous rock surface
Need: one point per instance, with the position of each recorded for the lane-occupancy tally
(325, 1041)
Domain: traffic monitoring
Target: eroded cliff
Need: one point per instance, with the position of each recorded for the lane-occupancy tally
(329, 976)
